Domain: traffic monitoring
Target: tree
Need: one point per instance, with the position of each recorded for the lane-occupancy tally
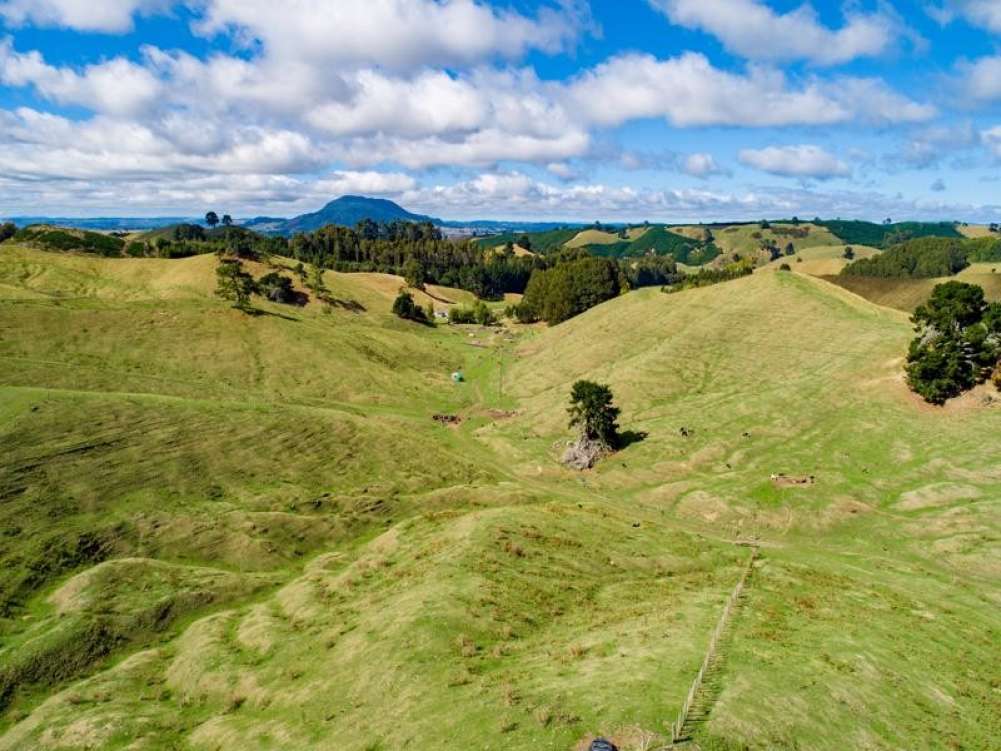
(413, 273)
(525, 241)
(212, 219)
(233, 283)
(300, 271)
(790, 249)
(317, 283)
(7, 231)
(593, 413)
(405, 307)
(849, 253)
(958, 343)
(227, 220)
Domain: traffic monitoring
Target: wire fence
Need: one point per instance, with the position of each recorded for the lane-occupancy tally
(678, 727)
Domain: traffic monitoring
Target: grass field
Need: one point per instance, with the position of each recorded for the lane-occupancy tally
(225, 531)
(746, 239)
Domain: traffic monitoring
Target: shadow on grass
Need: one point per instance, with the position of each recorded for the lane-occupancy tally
(628, 437)
(257, 312)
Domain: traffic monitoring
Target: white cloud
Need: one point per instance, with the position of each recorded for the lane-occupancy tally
(83, 15)
(393, 33)
(753, 30)
(984, 13)
(688, 91)
(701, 165)
(980, 79)
(804, 161)
(928, 146)
(992, 139)
(116, 86)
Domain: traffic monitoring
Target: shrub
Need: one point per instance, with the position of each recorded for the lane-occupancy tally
(7, 231)
(785, 267)
(277, 288)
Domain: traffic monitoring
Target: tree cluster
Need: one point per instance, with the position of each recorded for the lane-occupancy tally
(958, 342)
(235, 284)
(567, 289)
(479, 313)
(709, 277)
(925, 257)
(417, 251)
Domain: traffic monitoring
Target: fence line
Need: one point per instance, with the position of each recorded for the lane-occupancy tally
(677, 728)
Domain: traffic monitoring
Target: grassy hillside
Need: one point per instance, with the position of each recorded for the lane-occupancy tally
(746, 239)
(542, 242)
(907, 294)
(226, 531)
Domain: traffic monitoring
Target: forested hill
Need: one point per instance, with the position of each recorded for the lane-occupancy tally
(349, 211)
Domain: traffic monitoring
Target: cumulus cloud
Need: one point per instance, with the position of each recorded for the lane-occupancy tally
(393, 33)
(803, 161)
(689, 91)
(113, 16)
(701, 165)
(117, 86)
(980, 80)
(753, 30)
(984, 13)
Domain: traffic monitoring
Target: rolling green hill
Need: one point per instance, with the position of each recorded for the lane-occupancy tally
(230, 531)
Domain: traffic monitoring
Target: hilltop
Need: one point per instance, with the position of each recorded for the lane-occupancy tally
(230, 531)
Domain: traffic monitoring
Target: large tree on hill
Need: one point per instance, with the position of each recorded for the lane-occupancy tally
(958, 342)
(227, 220)
(212, 219)
(234, 284)
(593, 413)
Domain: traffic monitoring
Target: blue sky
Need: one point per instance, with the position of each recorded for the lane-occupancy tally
(660, 110)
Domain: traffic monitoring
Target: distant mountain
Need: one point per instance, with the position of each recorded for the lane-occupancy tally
(347, 211)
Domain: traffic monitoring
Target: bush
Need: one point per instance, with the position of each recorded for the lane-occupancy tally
(276, 288)
(7, 231)
(479, 313)
(785, 267)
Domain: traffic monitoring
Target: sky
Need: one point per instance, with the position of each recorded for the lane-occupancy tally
(577, 110)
